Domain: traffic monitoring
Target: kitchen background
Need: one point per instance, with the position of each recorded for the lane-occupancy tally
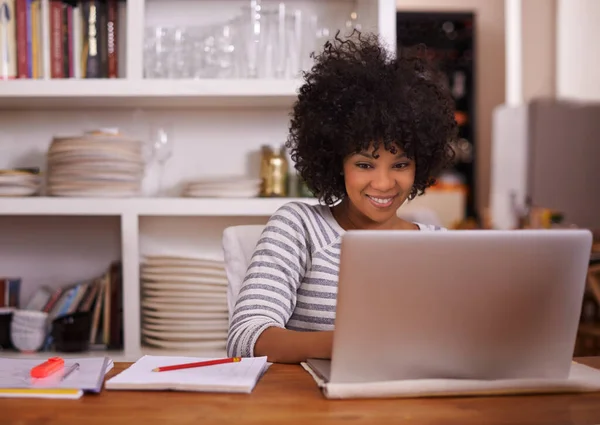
(48, 243)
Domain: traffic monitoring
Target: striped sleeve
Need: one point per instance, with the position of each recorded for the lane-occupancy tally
(268, 293)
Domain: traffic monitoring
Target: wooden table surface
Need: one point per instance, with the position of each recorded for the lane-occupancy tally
(288, 395)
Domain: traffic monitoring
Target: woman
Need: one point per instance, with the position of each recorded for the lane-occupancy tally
(367, 133)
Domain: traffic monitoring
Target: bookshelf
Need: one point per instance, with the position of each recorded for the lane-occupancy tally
(219, 125)
(125, 93)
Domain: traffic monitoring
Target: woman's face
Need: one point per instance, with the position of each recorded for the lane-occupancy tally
(378, 183)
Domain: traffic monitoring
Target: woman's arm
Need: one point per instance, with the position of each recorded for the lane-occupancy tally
(285, 346)
(268, 294)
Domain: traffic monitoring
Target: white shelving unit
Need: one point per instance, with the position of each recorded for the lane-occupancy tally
(219, 126)
(126, 93)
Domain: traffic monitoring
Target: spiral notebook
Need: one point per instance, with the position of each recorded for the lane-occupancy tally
(239, 377)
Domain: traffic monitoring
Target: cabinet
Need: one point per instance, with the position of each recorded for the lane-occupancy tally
(218, 127)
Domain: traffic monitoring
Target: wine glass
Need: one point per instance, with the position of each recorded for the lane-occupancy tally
(162, 147)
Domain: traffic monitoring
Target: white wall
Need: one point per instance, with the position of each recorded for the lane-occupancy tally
(490, 70)
(578, 54)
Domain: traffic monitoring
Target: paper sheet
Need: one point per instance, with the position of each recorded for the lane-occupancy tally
(228, 377)
(15, 373)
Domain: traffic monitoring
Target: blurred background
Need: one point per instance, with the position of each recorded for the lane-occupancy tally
(135, 131)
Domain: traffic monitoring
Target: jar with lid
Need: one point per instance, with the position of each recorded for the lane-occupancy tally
(274, 171)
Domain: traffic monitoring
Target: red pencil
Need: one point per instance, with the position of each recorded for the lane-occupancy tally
(197, 364)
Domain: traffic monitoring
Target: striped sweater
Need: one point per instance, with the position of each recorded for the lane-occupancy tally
(292, 278)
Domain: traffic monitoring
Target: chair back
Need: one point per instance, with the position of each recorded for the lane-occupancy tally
(239, 243)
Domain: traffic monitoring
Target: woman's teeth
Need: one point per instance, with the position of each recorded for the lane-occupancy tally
(384, 202)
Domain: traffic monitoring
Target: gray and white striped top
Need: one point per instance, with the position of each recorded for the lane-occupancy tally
(292, 278)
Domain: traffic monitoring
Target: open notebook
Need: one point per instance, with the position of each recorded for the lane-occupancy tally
(240, 377)
(581, 379)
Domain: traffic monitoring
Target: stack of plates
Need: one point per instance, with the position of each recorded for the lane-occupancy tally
(95, 165)
(184, 303)
(19, 183)
(223, 187)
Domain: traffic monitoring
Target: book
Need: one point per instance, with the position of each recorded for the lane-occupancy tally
(57, 393)
(581, 379)
(238, 377)
(16, 381)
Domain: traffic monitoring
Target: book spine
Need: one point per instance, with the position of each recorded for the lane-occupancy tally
(34, 20)
(56, 47)
(21, 13)
(69, 41)
(64, 34)
(29, 41)
(45, 38)
(92, 58)
(112, 38)
(116, 310)
(101, 10)
(8, 40)
(14, 292)
(3, 290)
(76, 42)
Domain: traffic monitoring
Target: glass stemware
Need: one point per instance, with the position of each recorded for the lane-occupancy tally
(162, 147)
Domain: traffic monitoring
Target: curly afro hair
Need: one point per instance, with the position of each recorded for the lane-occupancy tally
(356, 95)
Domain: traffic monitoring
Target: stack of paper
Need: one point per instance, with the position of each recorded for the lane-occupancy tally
(16, 380)
(238, 377)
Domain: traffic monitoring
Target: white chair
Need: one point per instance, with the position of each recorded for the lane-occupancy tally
(239, 243)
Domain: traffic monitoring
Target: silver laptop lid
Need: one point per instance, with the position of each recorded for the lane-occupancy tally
(459, 304)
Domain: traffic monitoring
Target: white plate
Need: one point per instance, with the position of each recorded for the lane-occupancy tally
(207, 280)
(20, 179)
(222, 193)
(185, 314)
(185, 336)
(55, 158)
(17, 190)
(184, 270)
(169, 294)
(192, 287)
(58, 177)
(175, 345)
(95, 164)
(176, 301)
(173, 260)
(206, 326)
(94, 193)
(200, 324)
(225, 180)
(191, 307)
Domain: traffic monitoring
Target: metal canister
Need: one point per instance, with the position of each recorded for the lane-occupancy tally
(274, 172)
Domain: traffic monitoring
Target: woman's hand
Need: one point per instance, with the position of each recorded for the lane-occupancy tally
(285, 346)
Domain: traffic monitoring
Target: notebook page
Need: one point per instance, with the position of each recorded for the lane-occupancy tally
(229, 377)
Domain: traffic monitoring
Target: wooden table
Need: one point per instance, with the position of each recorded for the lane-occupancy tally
(288, 395)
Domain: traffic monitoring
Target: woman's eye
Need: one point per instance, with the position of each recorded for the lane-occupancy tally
(363, 166)
(401, 165)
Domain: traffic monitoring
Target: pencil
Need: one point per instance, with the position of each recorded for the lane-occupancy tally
(197, 364)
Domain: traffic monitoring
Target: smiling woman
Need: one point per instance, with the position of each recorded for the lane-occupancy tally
(367, 133)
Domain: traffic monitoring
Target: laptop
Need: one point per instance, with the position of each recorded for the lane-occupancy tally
(472, 304)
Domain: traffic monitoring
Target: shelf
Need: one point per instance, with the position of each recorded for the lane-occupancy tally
(449, 206)
(124, 93)
(144, 206)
